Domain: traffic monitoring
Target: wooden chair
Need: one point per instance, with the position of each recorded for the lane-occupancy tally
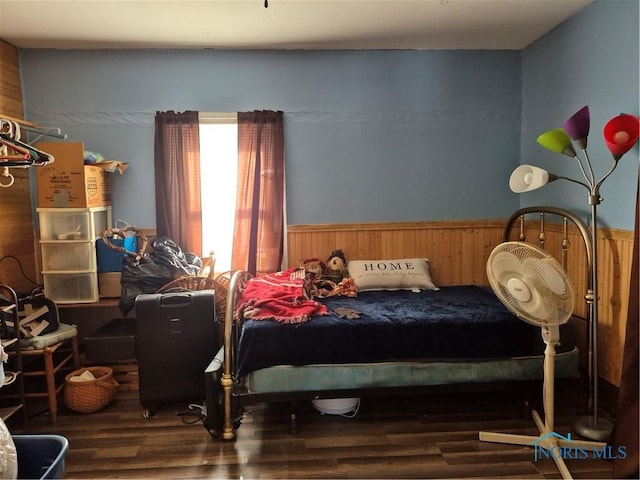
(45, 356)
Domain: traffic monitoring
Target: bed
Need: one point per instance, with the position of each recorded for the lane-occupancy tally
(380, 342)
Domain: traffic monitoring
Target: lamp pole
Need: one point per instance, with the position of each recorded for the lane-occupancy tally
(620, 135)
(591, 425)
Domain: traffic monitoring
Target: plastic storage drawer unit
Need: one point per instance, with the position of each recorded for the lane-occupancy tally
(67, 244)
(71, 287)
(73, 223)
(68, 256)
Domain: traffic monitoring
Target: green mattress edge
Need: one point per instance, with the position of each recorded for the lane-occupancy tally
(289, 378)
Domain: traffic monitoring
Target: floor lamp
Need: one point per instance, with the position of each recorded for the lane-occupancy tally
(620, 135)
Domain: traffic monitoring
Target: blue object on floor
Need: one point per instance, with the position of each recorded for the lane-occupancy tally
(40, 456)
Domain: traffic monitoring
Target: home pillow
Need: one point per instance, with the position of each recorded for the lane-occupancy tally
(399, 274)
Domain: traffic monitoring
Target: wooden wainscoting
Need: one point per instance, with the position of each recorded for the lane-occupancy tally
(458, 252)
(10, 85)
(16, 234)
(615, 249)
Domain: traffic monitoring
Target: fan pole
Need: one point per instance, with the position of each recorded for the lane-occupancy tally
(547, 439)
(591, 426)
(548, 385)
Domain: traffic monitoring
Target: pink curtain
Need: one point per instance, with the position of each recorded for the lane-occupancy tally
(177, 179)
(259, 227)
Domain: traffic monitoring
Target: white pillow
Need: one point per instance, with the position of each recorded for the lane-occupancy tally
(400, 274)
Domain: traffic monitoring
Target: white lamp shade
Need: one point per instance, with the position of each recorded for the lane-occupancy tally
(527, 177)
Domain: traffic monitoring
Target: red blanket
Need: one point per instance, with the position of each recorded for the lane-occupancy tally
(281, 296)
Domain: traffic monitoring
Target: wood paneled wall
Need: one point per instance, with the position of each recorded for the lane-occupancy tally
(10, 85)
(16, 231)
(458, 252)
(615, 248)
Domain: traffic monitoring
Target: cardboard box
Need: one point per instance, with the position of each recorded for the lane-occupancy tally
(68, 182)
(109, 285)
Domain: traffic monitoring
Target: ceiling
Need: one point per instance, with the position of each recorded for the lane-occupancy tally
(284, 24)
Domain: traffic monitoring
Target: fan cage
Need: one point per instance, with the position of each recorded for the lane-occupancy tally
(533, 264)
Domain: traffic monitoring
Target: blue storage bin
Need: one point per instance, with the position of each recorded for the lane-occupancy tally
(110, 260)
(40, 456)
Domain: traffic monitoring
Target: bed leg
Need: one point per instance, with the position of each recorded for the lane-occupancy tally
(294, 420)
(227, 432)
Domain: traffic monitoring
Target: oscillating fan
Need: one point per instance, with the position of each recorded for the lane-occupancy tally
(535, 288)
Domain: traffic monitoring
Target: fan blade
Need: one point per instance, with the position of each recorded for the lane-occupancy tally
(554, 278)
(506, 266)
(539, 306)
(544, 269)
(546, 312)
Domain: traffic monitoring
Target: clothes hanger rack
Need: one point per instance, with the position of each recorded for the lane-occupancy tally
(15, 153)
(25, 126)
(45, 131)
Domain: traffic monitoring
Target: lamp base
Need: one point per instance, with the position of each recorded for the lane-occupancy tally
(598, 429)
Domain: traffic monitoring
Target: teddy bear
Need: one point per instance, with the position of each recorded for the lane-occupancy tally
(336, 267)
(313, 266)
(332, 278)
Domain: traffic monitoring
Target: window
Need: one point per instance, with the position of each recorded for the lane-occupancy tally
(218, 173)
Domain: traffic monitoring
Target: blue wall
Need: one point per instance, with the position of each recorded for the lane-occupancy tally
(371, 136)
(592, 59)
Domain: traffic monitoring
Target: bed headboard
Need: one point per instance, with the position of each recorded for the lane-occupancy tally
(577, 260)
(543, 213)
(538, 219)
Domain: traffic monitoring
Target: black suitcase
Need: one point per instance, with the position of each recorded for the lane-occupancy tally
(175, 342)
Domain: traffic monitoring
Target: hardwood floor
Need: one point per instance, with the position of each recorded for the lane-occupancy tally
(403, 437)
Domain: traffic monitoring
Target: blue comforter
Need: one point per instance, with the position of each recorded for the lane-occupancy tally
(455, 322)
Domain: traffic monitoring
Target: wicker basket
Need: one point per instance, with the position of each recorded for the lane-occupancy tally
(143, 241)
(91, 395)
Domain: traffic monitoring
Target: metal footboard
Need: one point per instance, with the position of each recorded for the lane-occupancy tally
(238, 280)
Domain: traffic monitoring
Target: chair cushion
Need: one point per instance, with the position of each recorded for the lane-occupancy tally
(64, 332)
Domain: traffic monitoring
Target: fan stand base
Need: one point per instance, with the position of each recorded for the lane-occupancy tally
(598, 429)
(547, 439)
